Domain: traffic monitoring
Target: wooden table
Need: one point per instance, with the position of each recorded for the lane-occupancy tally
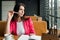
(49, 37)
(15, 37)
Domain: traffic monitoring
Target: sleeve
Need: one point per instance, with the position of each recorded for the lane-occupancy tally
(11, 27)
(31, 26)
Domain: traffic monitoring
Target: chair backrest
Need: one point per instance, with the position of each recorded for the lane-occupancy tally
(2, 27)
(40, 19)
(40, 27)
(34, 18)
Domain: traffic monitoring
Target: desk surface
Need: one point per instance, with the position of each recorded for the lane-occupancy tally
(49, 37)
(16, 37)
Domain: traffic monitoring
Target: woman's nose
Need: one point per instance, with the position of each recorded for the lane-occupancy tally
(22, 11)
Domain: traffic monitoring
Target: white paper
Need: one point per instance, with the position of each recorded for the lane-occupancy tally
(23, 37)
(26, 37)
(35, 37)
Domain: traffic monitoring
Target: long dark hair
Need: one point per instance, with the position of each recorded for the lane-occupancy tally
(16, 9)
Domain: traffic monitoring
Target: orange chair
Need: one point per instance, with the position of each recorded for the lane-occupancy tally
(34, 18)
(40, 27)
(2, 29)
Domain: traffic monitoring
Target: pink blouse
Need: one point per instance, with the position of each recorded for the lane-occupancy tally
(28, 26)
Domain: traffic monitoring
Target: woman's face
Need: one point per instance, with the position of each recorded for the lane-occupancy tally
(21, 11)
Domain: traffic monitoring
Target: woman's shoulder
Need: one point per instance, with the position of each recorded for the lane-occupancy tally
(27, 17)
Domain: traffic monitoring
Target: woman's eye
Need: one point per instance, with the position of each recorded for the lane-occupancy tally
(20, 9)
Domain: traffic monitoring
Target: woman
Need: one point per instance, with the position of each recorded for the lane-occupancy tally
(18, 23)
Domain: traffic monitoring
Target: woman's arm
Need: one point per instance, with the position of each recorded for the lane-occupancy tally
(8, 28)
(8, 35)
(10, 15)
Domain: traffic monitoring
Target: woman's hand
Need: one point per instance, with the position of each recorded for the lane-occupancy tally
(10, 15)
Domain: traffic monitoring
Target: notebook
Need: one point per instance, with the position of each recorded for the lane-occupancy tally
(26, 37)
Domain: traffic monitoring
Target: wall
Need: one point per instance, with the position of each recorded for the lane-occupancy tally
(6, 6)
(31, 6)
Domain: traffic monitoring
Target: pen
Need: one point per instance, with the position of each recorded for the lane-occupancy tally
(16, 12)
(13, 12)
